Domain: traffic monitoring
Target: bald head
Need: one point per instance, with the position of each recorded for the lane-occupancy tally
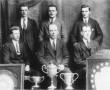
(53, 31)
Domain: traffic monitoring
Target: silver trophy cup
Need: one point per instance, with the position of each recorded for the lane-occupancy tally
(37, 80)
(69, 79)
(51, 70)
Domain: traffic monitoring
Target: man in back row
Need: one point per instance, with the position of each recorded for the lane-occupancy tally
(97, 34)
(44, 33)
(28, 33)
(86, 39)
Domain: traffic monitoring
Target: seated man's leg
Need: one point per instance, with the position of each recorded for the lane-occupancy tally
(81, 52)
(81, 81)
(80, 55)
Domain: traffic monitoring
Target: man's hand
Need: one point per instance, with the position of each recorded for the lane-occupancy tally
(27, 68)
(76, 44)
(61, 67)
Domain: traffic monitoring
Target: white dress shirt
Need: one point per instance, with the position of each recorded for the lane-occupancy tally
(16, 45)
(86, 42)
(52, 20)
(24, 21)
(53, 43)
(85, 20)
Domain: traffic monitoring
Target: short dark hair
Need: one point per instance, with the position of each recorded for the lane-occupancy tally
(23, 5)
(14, 28)
(52, 5)
(85, 6)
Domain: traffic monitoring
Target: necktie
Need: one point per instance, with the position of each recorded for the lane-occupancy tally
(51, 21)
(54, 46)
(85, 21)
(24, 23)
(17, 48)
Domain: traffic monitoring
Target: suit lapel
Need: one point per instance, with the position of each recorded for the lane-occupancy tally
(90, 22)
(58, 43)
(28, 24)
(21, 46)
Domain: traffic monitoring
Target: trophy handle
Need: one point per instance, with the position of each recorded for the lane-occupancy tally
(61, 76)
(77, 75)
(44, 69)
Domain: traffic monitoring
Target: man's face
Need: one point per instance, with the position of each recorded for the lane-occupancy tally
(86, 32)
(85, 12)
(53, 31)
(52, 12)
(24, 11)
(16, 35)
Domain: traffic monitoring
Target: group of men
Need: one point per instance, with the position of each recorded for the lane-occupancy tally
(35, 47)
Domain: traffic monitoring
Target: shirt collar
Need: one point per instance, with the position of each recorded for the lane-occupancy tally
(87, 19)
(51, 40)
(50, 19)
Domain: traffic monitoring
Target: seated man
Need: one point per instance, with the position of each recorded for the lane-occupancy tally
(85, 46)
(54, 51)
(82, 50)
(14, 51)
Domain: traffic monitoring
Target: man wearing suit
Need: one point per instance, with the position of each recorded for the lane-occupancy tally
(96, 37)
(44, 33)
(29, 29)
(53, 50)
(29, 33)
(14, 51)
(85, 45)
(97, 34)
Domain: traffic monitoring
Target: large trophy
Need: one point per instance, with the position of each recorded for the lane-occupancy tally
(51, 70)
(69, 79)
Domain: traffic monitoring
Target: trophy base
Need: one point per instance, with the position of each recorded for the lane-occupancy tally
(69, 88)
(35, 86)
(51, 87)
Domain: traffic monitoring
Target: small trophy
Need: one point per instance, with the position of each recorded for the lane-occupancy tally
(37, 80)
(69, 79)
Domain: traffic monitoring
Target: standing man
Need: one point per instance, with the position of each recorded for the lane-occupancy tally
(97, 34)
(29, 29)
(29, 33)
(53, 50)
(86, 39)
(44, 33)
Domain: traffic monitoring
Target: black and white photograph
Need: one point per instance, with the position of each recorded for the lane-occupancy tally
(54, 45)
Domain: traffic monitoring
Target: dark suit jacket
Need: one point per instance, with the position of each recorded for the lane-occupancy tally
(10, 55)
(30, 35)
(97, 34)
(44, 33)
(47, 54)
(80, 51)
